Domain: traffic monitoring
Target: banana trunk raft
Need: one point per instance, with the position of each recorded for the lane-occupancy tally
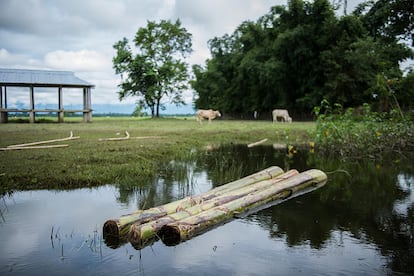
(115, 231)
(181, 220)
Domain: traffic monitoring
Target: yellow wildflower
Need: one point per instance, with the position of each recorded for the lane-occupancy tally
(311, 147)
(292, 149)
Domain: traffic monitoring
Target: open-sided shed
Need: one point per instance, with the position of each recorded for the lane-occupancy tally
(38, 79)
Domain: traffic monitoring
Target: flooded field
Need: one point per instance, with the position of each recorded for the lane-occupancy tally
(360, 223)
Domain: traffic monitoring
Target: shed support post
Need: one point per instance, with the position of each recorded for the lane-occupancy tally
(87, 111)
(60, 105)
(89, 104)
(32, 115)
(4, 116)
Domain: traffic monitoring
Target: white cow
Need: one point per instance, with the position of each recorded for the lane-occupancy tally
(281, 113)
(209, 114)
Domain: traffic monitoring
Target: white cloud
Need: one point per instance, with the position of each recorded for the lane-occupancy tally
(83, 60)
(11, 60)
(219, 17)
(4, 56)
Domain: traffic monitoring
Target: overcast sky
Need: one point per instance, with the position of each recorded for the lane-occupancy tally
(78, 35)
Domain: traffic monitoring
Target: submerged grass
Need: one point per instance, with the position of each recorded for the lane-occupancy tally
(88, 161)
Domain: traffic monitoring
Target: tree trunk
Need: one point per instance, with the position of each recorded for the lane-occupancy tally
(176, 232)
(158, 107)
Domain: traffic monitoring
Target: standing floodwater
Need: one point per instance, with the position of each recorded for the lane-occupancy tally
(360, 223)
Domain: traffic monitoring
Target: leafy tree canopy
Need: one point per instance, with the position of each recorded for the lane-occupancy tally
(296, 55)
(389, 18)
(155, 69)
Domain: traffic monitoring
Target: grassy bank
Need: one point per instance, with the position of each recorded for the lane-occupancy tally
(87, 161)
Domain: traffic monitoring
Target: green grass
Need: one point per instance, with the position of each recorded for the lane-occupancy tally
(89, 162)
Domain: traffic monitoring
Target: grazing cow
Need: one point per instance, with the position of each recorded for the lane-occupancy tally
(281, 113)
(209, 114)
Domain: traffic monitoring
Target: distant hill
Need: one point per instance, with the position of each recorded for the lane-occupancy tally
(118, 108)
(127, 109)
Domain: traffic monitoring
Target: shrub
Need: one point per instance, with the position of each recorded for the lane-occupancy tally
(362, 133)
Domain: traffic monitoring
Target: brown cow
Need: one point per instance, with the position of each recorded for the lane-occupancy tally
(209, 114)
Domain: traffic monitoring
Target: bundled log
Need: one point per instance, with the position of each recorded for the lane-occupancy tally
(115, 230)
(176, 232)
(142, 234)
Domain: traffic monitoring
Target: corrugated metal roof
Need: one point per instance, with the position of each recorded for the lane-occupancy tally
(24, 77)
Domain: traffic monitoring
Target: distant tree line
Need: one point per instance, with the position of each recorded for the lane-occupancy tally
(297, 55)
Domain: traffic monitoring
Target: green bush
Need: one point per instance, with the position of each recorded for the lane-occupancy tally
(362, 133)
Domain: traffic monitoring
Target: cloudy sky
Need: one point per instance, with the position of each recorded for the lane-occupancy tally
(78, 35)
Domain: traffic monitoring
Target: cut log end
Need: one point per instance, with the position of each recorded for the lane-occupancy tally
(111, 234)
(110, 229)
(170, 235)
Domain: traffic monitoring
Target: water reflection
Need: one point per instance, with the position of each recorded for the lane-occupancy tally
(176, 180)
(361, 222)
(367, 200)
(372, 201)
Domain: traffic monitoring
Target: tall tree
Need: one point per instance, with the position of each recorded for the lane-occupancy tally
(306, 31)
(298, 54)
(390, 18)
(157, 70)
